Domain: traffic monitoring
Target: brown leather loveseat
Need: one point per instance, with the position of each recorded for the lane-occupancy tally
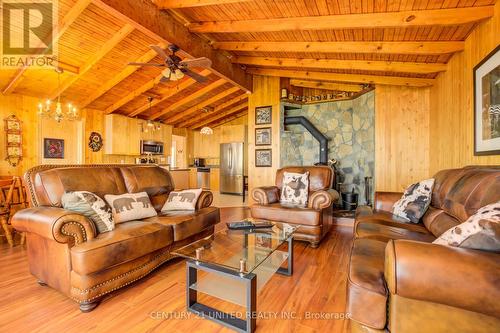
(399, 282)
(315, 220)
(64, 249)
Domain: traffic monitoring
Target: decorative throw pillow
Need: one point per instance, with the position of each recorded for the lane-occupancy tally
(295, 190)
(130, 206)
(415, 201)
(182, 200)
(91, 206)
(481, 231)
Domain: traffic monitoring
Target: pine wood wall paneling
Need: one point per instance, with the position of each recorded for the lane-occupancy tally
(452, 102)
(266, 91)
(401, 136)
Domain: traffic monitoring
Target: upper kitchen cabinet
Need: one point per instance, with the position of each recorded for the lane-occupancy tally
(233, 133)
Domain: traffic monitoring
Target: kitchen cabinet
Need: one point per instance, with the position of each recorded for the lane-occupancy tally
(233, 133)
(193, 180)
(134, 137)
(181, 179)
(214, 179)
(206, 146)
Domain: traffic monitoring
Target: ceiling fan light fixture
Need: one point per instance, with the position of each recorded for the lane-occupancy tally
(206, 131)
(178, 74)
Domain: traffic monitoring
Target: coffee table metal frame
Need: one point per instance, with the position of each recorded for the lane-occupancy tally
(250, 280)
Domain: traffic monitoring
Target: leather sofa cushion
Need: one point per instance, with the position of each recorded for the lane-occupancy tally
(187, 223)
(385, 231)
(295, 215)
(366, 285)
(129, 241)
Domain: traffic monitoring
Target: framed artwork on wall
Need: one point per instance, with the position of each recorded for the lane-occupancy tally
(487, 105)
(53, 148)
(263, 157)
(263, 136)
(263, 115)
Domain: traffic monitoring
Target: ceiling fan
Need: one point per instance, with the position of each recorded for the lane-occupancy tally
(176, 68)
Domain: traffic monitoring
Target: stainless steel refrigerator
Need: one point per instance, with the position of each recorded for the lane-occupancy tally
(231, 168)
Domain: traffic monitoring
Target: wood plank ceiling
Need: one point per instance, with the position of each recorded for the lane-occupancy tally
(331, 41)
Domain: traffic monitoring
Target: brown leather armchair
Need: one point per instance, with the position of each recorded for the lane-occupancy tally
(65, 250)
(314, 220)
(399, 282)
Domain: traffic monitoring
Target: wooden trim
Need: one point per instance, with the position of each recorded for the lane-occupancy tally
(326, 85)
(218, 108)
(75, 11)
(126, 72)
(105, 49)
(385, 66)
(419, 48)
(198, 107)
(147, 18)
(357, 78)
(404, 19)
(189, 98)
(221, 115)
(171, 92)
(169, 4)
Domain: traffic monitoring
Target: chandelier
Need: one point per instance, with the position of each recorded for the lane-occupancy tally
(150, 125)
(48, 110)
(206, 131)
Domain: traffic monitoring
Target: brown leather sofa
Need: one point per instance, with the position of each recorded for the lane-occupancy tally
(399, 282)
(64, 249)
(315, 220)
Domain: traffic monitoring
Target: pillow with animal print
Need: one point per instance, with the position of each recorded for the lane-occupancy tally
(182, 200)
(415, 201)
(130, 206)
(481, 231)
(91, 206)
(295, 189)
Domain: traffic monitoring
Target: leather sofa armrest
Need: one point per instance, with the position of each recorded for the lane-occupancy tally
(204, 200)
(363, 211)
(322, 199)
(385, 200)
(461, 278)
(266, 195)
(54, 223)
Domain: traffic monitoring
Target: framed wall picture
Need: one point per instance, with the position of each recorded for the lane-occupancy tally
(263, 157)
(263, 136)
(53, 148)
(487, 105)
(263, 115)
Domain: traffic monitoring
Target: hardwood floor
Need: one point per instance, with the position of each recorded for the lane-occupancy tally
(317, 287)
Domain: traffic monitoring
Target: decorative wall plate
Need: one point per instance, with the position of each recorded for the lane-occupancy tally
(95, 141)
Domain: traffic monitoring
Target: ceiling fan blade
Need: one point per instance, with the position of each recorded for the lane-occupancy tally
(198, 62)
(194, 75)
(160, 51)
(145, 64)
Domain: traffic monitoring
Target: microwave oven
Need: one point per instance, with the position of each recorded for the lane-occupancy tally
(151, 147)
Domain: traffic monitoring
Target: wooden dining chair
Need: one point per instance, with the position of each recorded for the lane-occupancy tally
(7, 187)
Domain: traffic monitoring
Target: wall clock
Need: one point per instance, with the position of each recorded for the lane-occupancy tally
(95, 141)
(13, 140)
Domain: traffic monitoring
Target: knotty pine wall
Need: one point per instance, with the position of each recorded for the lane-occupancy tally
(452, 102)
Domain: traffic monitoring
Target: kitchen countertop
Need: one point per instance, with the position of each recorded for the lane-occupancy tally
(206, 166)
(179, 169)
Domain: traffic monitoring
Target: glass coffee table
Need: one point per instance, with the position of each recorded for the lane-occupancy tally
(237, 264)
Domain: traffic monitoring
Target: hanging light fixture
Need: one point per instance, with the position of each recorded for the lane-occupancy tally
(150, 125)
(47, 109)
(206, 131)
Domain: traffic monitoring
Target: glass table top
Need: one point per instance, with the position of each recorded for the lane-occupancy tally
(239, 250)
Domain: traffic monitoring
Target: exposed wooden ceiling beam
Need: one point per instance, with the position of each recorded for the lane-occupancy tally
(189, 98)
(198, 107)
(75, 11)
(108, 46)
(171, 92)
(126, 72)
(236, 109)
(217, 109)
(133, 94)
(357, 78)
(146, 17)
(326, 85)
(385, 66)
(169, 4)
(404, 19)
(228, 119)
(418, 48)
